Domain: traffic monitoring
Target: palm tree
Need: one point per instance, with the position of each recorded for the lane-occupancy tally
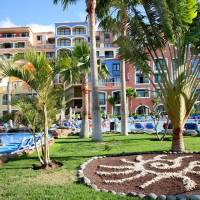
(173, 26)
(114, 18)
(76, 69)
(28, 108)
(82, 54)
(35, 70)
(96, 119)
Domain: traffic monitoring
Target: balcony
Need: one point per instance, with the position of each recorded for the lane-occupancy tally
(115, 81)
(63, 42)
(45, 46)
(79, 31)
(63, 31)
(14, 35)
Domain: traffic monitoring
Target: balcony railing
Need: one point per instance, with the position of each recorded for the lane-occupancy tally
(110, 82)
(45, 46)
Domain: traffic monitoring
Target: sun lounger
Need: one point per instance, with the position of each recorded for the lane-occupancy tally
(191, 129)
(149, 128)
(139, 128)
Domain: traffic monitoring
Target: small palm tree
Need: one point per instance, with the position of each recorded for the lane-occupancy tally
(35, 70)
(28, 108)
(96, 119)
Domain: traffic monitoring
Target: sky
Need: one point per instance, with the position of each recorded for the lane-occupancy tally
(40, 15)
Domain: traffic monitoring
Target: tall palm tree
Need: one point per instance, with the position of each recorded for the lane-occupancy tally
(96, 119)
(173, 26)
(36, 70)
(114, 18)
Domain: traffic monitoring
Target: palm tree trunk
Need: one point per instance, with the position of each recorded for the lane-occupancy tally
(62, 111)
(46, 142)
(9, 92)
(85, 123)
(96, 119)
(124, 111)
(177, 140)
(36, 148)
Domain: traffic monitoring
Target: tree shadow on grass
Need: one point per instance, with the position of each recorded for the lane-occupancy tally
(76, 141)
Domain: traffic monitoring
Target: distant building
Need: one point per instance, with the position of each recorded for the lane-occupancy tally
(15, 41)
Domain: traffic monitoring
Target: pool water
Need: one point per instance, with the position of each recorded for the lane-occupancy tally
(8, 138)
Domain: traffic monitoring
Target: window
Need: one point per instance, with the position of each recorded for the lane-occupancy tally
(109, 54)
(98, 44)
(5, 99)
(174, 63)
(25, 34)
(116, 110)
(79, 31)
(7, 55)
(117, 97)
(20, 45)
(97, 38)
(156, 93)
(106, 37)
(107, 45)
(160, 108)
(39, 37)
(140, 78)
(78, 40)
(50, 54)
(102, 99)
(97, 53)
(64, 42)
(63, 31)
(6, 45)
(159, 62)
(8, 35)
(157, 78)
(142, 110)
(142, 93)
(116, 67)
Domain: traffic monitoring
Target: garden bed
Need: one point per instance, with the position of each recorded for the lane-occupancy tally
(160, 174)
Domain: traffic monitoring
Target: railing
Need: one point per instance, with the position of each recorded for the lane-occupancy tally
(45, 46)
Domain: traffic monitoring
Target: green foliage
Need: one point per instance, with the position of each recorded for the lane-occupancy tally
(111, 100)
(131, 92)
(7, 117)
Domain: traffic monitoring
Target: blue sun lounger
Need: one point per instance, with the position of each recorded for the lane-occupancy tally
(15, 147)
(149, 128)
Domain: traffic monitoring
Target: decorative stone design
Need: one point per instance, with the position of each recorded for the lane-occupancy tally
(157, 163)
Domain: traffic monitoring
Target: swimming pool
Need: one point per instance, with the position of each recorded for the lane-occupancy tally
(8, 138)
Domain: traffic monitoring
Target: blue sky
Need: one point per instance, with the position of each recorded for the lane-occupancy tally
(38, 12)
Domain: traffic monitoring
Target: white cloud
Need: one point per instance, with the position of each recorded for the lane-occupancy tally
(41, 28)
(6, 23)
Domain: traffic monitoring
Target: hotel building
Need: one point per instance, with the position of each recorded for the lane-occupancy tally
(14, 41)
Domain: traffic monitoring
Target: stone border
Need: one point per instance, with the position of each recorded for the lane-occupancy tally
(150, 196)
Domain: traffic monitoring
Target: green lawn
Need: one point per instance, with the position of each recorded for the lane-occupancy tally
(19, 182)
